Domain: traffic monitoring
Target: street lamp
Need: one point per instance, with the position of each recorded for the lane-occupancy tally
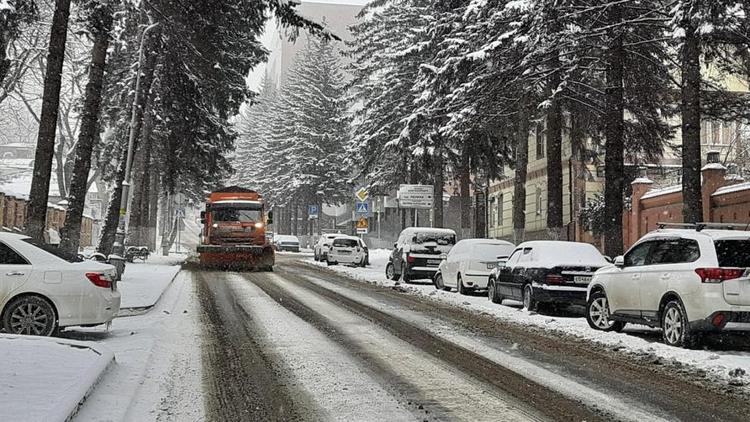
(118, 248)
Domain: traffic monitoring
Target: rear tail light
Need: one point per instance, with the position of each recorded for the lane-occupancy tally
(717, 275)
(554, 279)
(410, 259)
(99, 280)
(718, 320)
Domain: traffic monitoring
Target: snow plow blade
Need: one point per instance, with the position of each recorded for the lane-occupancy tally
(236, 257)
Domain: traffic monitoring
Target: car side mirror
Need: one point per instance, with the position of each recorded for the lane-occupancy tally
(269, 217)
(203, 217)
(619, 261)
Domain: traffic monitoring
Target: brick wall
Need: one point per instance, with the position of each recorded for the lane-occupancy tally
(13, 218)
(725, 200)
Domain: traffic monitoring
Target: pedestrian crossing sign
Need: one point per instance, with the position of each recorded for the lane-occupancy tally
(362, 207)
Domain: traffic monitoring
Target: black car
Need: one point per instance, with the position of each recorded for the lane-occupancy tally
(418, 253)
(542, 273)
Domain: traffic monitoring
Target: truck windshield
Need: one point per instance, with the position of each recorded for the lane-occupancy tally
(235, 214)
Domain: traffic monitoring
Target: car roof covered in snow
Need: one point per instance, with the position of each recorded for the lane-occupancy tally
(551, 253)
(285, 237)
(480, 241)
(694, 234)
(415, 230)
(346, 236)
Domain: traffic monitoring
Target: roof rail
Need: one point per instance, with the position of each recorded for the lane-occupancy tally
(704, 225)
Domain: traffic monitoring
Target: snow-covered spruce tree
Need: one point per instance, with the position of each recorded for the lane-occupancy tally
(310, 146)
(204, 50)
(253, 129)
(388, 50)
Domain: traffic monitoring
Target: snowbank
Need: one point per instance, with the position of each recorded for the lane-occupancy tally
(728, 366)
(143, 284)
(46, 379)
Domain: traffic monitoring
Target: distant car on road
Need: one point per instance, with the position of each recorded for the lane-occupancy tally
(284, 242)
(320, 250)
(685, 281)
(347, 250)
(418, 252)
(469, 263)
(546, 273)
(42, 290)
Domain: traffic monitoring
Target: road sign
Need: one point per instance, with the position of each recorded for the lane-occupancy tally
(362, 194)
(362, 208)
(415, 196)
(180, 212)
(312, 211)
(362, 225)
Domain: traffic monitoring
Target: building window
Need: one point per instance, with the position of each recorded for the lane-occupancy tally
(500, 210)
(538, 200)
(540, 135)
(492, 215)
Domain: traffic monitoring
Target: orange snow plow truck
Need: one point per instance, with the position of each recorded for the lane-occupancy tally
(234, 231)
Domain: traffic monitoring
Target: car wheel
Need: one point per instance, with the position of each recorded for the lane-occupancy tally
(329, 262)
(598, 316)
(439, 284)
(676, 328)
(492, 292)
(30, 315)
(390, 272)
(529, 303)
(460, 286)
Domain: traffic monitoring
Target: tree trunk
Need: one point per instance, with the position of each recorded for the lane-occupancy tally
(153, 210)
(554, 156)
(437, 192)
(692, 210)
(45, 147)
(137, 220)
(112, 219)
(614, 165)
(465, 191)
(519, 181)
(87, 137)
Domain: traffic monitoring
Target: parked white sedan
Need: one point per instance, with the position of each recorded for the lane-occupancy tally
(347, 250)
(468, 264)
(41, 292)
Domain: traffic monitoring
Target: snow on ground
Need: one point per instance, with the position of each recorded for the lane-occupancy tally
(731, 366)
(143, 283)
(157, 375)
(44, 379)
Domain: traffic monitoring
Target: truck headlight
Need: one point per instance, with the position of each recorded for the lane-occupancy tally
(215, 225)
(258, 225)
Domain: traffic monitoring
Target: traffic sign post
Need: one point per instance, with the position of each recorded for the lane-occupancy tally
(415, 196)
(312, 211)
(362, 225)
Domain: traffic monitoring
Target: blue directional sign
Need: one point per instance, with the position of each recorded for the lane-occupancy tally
(312, 211)
(362, 207)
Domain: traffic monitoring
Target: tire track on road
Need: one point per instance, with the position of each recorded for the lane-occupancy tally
(499, 382)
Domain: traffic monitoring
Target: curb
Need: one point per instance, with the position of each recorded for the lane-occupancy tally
(140, 310)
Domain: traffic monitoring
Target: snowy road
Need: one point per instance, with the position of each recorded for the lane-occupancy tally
(304, 344)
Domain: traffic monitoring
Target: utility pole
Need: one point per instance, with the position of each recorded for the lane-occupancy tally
(118, 248)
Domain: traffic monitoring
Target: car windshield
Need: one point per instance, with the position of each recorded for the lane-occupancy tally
(350, 243)
(439, 238)
(733, 253)
(235, 214)
(54, 250)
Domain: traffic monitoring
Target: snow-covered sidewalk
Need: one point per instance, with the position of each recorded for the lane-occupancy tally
(727, 365)
(46, 379)
(143, 284)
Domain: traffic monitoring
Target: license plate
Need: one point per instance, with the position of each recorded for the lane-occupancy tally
(433, 262)
(345, 252)
(581, 279)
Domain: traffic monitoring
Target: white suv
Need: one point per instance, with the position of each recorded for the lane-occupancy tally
(685, 281)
